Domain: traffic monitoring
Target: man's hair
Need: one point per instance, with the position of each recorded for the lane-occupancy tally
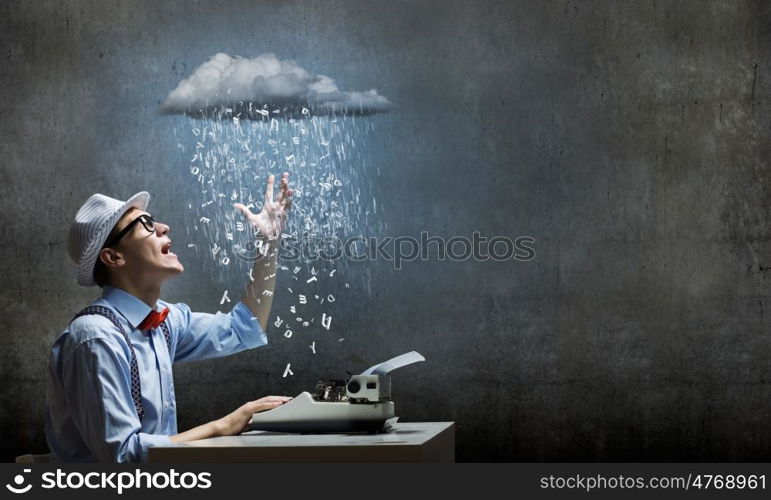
(101, 272)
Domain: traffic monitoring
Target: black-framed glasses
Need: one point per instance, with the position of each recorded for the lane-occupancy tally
(148, 221)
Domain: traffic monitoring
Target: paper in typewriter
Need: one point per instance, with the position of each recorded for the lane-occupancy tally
(392, 364)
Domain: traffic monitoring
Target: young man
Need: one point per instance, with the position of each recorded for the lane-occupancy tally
(110, 390)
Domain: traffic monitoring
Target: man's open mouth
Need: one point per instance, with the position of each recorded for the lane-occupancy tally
(166, 249)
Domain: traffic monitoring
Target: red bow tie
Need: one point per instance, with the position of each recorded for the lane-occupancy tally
(154, 319)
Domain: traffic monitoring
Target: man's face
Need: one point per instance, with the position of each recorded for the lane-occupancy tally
(147, 254)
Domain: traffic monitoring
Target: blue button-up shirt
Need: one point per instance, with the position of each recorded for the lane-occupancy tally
(90, 415)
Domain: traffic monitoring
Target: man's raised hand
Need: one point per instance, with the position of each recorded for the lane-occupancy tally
(271, 220)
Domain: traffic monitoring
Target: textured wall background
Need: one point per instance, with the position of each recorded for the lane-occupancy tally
(631, 139)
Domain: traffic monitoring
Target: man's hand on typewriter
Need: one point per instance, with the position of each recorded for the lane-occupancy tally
(231, 424)
(237, 421)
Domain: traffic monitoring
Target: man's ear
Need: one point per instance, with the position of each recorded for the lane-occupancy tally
(111, 258)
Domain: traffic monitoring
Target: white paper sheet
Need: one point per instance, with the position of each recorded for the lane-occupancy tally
(394, 363)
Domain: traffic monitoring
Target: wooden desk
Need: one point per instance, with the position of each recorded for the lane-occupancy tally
(408, 442)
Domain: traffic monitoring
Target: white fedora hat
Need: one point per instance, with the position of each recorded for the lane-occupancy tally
(92, 225)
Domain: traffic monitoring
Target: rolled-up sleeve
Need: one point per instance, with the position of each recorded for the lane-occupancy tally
(204, 335)
(97, 378)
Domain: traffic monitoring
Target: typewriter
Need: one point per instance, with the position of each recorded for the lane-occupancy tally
(360, 404)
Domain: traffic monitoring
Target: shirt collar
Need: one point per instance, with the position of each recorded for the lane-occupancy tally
(132, 308)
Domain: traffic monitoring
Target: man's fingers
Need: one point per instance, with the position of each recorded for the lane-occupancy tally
(286, 201)
(283, 187)
(262, 402)
(281, 399)
(269, 190)
(267, 406)
(271, 403)
(266, 403)
(245, 211)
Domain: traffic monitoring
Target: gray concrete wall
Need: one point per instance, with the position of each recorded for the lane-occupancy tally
(631, 139)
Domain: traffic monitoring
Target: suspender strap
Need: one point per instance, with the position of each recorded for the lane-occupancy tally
(136, 387)
(166, 335)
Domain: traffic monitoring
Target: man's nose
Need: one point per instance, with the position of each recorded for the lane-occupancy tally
(162, 228)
